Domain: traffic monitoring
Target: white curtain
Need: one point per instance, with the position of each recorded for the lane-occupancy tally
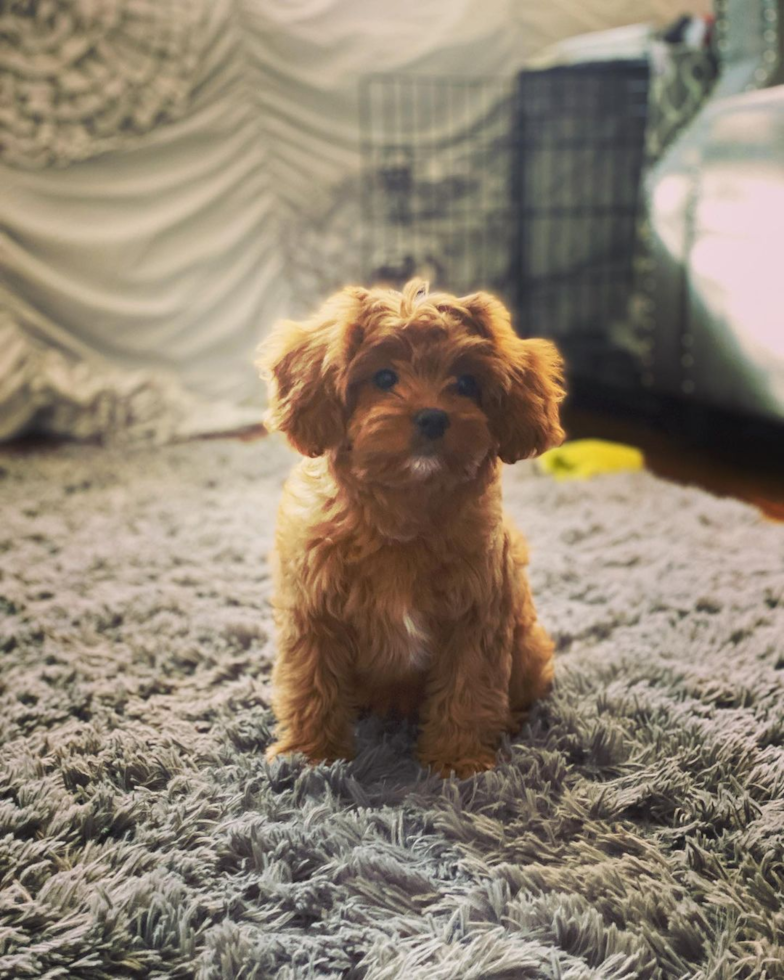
(177, 174)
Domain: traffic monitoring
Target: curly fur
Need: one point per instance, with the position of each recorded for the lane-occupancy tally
(399, 583)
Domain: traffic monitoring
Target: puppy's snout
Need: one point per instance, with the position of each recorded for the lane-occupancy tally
(431, 422)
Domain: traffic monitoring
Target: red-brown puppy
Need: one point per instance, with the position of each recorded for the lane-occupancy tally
(399, 583)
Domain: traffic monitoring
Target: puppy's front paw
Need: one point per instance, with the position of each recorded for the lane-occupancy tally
(479, 761)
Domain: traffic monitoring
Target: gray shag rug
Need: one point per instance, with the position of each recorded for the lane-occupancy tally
(637, 830)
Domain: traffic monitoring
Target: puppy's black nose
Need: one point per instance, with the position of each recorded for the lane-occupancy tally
(432, 422)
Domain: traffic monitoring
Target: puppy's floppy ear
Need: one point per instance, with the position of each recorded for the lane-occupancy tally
(522, 403)
(304, 365)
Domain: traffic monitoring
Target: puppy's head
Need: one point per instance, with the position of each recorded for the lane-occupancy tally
(410, 386)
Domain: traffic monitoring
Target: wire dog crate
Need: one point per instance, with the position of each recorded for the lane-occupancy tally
(529, 187)
(576, 186)
(436, 168)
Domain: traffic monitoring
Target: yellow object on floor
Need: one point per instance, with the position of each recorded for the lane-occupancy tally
(585, 458)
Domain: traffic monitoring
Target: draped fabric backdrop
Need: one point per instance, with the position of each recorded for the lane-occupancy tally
(175, 175)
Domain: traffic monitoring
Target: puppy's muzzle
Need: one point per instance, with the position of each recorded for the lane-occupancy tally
(432, 423)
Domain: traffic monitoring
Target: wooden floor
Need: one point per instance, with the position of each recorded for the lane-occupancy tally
(734, 471)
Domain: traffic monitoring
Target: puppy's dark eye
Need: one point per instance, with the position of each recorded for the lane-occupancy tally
(385, 379)
(468, 386)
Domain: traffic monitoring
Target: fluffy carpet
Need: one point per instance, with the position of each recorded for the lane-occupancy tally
(637, 830)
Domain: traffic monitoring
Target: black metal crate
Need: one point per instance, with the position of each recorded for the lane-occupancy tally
(529, 187)
(436, 180)
(579, 155)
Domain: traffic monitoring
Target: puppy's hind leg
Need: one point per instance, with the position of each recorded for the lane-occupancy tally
(532, 668)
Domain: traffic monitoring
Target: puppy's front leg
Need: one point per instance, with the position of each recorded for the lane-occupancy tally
(467, 705)
(314, 698)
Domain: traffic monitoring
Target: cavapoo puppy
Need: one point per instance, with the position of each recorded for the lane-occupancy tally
(400, 584)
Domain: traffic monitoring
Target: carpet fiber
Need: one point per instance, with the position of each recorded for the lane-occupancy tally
(636, 831)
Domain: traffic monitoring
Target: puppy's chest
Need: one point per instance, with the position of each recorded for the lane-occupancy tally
(402, 641)
(391, 607)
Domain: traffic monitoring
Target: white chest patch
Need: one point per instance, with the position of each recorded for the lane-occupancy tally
(418, 645)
